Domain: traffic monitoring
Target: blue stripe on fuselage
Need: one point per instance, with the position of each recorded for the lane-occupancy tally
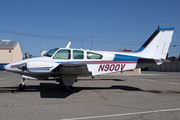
(119, 57)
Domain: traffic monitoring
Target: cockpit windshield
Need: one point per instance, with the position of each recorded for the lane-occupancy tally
(50, 52)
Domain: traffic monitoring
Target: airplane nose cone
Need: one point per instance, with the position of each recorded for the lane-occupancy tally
(8, 67)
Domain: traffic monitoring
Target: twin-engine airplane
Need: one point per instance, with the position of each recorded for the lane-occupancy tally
(66, 64)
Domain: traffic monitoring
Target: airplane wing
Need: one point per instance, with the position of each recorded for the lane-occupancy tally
(72, 69)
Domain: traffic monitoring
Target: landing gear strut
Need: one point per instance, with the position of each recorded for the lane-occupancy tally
(22, 86)
(66, 82)
(65, 88)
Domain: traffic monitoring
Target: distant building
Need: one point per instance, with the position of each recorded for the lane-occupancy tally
(10, 51)
(173, 66)
(43, 52)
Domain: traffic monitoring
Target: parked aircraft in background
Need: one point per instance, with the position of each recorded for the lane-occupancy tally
(69, 63)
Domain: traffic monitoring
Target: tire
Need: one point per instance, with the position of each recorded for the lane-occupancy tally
(66, 89)
(22, 87)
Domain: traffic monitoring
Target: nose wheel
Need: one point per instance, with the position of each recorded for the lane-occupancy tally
(22, 86)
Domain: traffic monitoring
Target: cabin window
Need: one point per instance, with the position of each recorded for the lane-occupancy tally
(51, 52)
(91, 55)
(62, 54)
(78, 54)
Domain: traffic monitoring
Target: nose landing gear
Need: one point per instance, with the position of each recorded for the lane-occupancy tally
(22, 86)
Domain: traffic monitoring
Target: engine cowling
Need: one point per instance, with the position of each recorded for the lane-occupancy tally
(39, 67)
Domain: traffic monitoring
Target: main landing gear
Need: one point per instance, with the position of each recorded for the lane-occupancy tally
(65, 88)
(66, 82)
(22, 86)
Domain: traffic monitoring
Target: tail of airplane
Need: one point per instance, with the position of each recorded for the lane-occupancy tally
(156, 47)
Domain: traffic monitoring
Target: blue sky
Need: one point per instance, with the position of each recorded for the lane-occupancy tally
(114, 24)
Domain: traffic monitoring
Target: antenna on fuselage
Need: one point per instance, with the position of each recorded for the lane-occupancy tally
(68, 45)
(91, 43)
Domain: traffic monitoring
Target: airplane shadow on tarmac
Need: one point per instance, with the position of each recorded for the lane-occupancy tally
(51, 90)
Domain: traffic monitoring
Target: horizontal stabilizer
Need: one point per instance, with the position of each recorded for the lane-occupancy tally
(147, 62)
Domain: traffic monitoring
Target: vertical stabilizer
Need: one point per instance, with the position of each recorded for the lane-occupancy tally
(156, 47)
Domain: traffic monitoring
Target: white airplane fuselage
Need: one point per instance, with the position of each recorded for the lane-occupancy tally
(44, 65)
(68, 63)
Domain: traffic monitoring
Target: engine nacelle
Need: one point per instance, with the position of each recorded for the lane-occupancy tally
(39, 67)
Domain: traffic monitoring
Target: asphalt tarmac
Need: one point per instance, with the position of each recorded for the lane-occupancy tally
(148, 96)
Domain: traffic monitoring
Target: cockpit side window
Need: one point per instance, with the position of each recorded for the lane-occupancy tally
(51, 52)
(78, 54)
(62, 54)
(91, 55)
